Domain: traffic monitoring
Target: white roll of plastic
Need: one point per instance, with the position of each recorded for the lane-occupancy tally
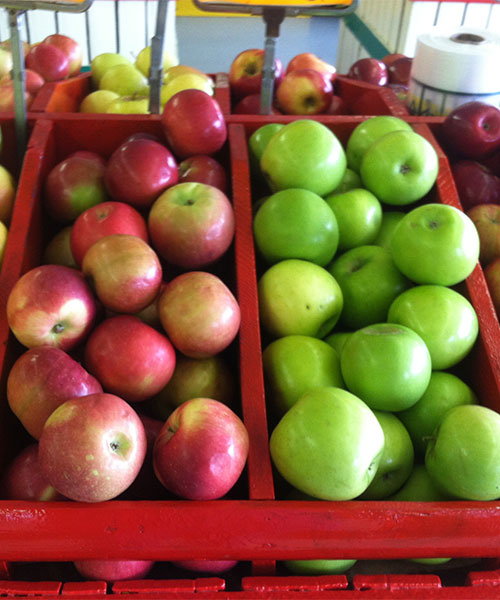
(454, 67)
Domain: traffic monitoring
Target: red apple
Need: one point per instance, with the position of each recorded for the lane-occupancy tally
(34, 81)
(7, 98)
(399, 70)
(92, 448)
(476, 184)
(245, 72)
(191, 225)
(111, 570)
(125, 271)
(75, 184)
(51, 305)
(204, 565)
(492, 276)
(202, 168)
(371, 70)
(308, 60)
(49, 61)
(139, 170)
(71, 49)
(42, 379)
(337, 106)
(304, 92)
(471, 130)
(199, 313)
(129, 358)
(58, 249)
(250, 105)
(493, 162)
(105, 219)
(486, 218)
(193, 123)
(201, 450)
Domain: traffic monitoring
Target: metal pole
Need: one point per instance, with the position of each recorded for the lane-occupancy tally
(273, 18)
(19, 79)
(156, 68)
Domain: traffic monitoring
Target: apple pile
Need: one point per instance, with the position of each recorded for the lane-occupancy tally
(363, 324)
(134, 291)
(393, 71)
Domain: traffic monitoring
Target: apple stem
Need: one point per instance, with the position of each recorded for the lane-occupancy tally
(58, 328)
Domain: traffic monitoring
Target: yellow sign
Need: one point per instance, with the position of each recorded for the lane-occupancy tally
(290, 3)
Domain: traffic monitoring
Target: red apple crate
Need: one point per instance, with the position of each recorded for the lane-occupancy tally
(39, 540)
(66, 96)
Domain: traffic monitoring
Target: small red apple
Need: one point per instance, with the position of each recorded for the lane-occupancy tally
(250, 105)
(399, 70)
(337, 106)
(476, 184)
(308, 60)
(304, 92)
(111, 570)
(245, 72)
(370, 70)
(202, 168)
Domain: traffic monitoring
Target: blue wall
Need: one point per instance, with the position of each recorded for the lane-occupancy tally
(211, 43)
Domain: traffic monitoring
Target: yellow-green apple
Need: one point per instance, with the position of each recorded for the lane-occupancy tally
(476, 183)
(193, 123)
(40, 380)
(367, 132)
(358, 213)
(125, 272)
(98, 101)
(175, 70)
(7, 45)
(209, 377)
(397, 459)
(295, 364)
(199, 314)
(436, 244)
(8, 186)
(320, 566)
(136, 104)
(328, 444)
(105, 219)
(296, 223)
(204, 565)
(370, 282)
(49, 61)
(369, 69)
(463, 455)
(387, 365)
(51, 305)
(400, 168)
(125, 80)
(471, 130)
(201, 451)
(191, 224)
(492, 276)
(102, 62)
(23, 479)
(187, 81)
(143, 61)
(4, 234)
(202, 168)
(130, 358)
(74, 184)
(486, 219)
(110, 570)
(445, 390)
(390, 218)
(245, 72)
(304, 92)
(442, 317)
(6, 63)
(308, 60)
(71, 49)
(92, 448)
(139, 170)
(298, 297)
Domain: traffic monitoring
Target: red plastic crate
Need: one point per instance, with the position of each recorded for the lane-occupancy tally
(252, 527)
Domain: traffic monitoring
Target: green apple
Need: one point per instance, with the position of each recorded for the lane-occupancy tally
(390, 219)
(397, 459)
(436, 243)
(337, 339)
(188, 81)
(367, 132)
(328, 445)
(400, 167)
(257, 142)
(387, 365)
(124, 80)
(463, 456)
(297, 297)
(103, 62)
(129, 105)
(369, 281)
(419, 487)
(98, 101)
(319, 566)
(445, 390)
(295, 364)
(350, 181)
(304, 154)
(296, 223)
(359, 216)
(442, 317)
(143, 61)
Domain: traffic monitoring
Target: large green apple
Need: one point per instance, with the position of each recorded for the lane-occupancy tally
(295, 364)
(369, 281)
(367, 132)
(445, 390)
(328, 445)
(296, 223)
(304, 154)
(463, 458)
(298, 297)
(387, 365)
(319, 566)
(359, 216)
(390, 219)
(442, 317)
(397, 459)
(400, 167)
(436, 243)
